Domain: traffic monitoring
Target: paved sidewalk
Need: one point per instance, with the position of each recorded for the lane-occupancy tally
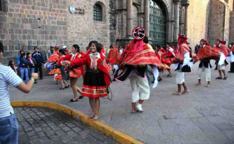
(204, 116)
(47, 126)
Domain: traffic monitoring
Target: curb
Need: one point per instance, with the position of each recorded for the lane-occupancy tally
(97, 125)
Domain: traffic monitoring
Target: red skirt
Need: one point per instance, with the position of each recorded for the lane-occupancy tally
(94, 84)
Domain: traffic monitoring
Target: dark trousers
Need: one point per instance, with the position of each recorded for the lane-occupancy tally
(232, 67)
(38, 68)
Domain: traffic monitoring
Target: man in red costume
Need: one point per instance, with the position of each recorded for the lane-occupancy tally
(134, 60)
(224, 52)
(183, 64)
(205, 54)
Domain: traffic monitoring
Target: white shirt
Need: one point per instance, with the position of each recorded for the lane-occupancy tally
(7, 77)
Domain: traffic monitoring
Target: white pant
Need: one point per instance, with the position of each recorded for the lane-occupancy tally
(207, 72)
(221, 67)
(180, 77)
(140, 88)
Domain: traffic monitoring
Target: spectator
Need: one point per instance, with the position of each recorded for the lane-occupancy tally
(120, 50)
(18, 62)
(12, 65)
(8, 122)
(37, 55)
(31, 68)
(19, 56)
(50, 52)
(24, 67)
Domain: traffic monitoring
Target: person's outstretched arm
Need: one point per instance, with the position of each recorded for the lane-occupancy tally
(26, 88)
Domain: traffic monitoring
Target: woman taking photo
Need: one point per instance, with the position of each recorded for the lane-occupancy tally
(96, 79)
(75, 72)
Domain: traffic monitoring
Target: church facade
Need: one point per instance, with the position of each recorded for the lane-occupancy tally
(25, 24)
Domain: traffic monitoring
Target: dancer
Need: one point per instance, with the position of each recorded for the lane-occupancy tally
(61, 72)
(182, 63)
(75, 72)
(134, 60)
(232, 58)
(222, 63)
(205, 53)
(96, 79)
(168, 57)
(113, 57)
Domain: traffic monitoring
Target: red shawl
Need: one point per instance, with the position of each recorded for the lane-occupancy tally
(207, 52)
(182, 48)
(54, 57)
(139, 53)
(232, 49)
(100, 65)
(223, 49)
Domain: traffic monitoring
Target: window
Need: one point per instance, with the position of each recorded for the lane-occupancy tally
(97, 12)
(0, 5)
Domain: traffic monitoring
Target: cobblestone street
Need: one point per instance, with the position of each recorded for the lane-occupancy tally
(47, 126)
(204, 116)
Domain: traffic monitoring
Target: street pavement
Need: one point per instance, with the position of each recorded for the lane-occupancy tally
(47, 126)
(204, 116)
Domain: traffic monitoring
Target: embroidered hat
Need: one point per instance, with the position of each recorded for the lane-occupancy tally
(138, 33)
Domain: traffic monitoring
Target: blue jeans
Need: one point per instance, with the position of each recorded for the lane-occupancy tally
(9, 130)
(24, 71)
(30, 71)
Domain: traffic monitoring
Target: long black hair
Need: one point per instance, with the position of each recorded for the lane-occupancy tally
(22, 55)
(77, 47)
(28, 54)
(98, 45)
(62, 51)
(1, 47)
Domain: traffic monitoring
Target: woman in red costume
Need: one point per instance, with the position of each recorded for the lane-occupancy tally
(75, 72)
(96, 79)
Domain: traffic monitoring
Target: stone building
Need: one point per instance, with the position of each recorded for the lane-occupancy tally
(25, 24)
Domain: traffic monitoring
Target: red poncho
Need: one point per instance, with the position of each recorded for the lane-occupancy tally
(232, 49)
(113, 55)
(139, 53)
(182, 48)
(223, 49)
(207, 51)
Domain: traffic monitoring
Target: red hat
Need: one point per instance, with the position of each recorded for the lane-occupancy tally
(221, 41)
(206, 43)
(182, 39)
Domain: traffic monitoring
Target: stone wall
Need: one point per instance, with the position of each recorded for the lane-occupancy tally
(231, 32)
(113, 20)
(82, 28)
(216, 21)
(198, 14)
(30, 23)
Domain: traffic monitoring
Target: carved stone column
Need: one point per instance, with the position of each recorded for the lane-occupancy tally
(177, 19)
(129, 18)
(147, 21)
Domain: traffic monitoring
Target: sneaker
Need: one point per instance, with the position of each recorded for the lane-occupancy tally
(74, 100)
(225, 78)
(139, 107)
(35, 82)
